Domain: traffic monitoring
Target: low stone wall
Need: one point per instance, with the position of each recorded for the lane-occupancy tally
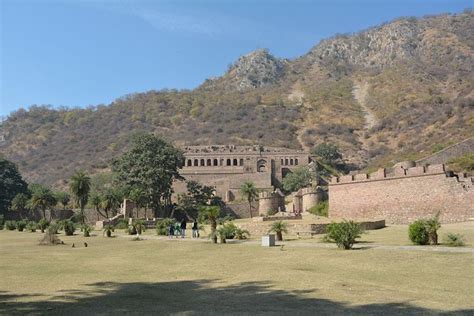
(262, 228)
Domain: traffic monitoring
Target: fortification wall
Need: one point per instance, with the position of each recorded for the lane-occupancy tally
(456, 150)
(403, 195)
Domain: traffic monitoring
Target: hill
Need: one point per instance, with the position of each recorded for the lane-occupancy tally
(397, 91)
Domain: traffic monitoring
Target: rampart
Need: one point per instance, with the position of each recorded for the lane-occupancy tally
(453, 151)
(402, 195)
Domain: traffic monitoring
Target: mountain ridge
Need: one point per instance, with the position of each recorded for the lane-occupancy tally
(418, 81)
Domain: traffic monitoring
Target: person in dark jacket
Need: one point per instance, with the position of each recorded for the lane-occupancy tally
(195, 228)
(183, 228)
(171, 231)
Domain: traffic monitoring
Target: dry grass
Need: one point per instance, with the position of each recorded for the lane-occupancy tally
(116, 275)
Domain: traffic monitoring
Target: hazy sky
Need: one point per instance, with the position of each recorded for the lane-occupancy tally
(83, 52)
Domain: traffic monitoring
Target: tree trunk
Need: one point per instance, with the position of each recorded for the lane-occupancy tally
(223, 240)
(213, 231)
(250, 208)
(279, 236)
(82, 213)
(433, 238)
(44, 213)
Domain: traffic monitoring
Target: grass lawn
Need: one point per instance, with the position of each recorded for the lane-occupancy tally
(118, 275)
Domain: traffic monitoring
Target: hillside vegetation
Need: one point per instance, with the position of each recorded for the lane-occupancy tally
(417, 75)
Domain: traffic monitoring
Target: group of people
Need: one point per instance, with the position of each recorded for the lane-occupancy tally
(179, 229)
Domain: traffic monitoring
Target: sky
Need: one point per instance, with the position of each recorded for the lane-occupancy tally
(89, 52)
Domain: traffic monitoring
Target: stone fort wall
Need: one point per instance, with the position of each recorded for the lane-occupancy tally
(443, 156)
(403, 195)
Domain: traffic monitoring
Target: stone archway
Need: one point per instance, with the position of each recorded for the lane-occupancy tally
(261, 165)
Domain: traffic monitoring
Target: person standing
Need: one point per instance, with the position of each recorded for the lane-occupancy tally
(183, 227)
(171, 231)
(195, 229)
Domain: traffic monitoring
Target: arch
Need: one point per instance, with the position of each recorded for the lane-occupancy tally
(202, 163)
(229, 162)
(286, 161)
(216, 162)
(196, 162)
(296, 161)
(209, 162)
(189, 163)
(261, 165)
(241, 162)
(291, 161)
(235, 161)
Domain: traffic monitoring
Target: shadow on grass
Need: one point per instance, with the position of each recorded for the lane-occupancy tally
(201, 297)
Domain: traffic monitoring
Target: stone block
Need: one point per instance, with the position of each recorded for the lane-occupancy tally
(379, 174)
(360, 176)
(416, 171)
(347, 178)
(268, 240)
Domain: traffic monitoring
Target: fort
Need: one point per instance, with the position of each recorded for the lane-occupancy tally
(403, 194)
(227, 167)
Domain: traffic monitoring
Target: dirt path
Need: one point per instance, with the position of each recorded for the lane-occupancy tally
(360, 92)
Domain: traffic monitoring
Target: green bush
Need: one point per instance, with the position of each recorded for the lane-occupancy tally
(344, 234)
(320, 209)
(279, 228)
(10, 225)
(43, 224)
(272, 212)
(131, 230)
(453, 240)
(31, 226)
(69, 227)
(108, 229)
(86, 229)
(162, 226)
(418, 232)
(122, 224)
(53, 228)
(21, 225)
(77, 218)
(241, 233)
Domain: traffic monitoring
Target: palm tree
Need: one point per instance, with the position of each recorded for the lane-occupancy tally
(63, 198)
(249, 191)
(20, 203)
(211, 213)
(279, 227)
(80, 186)
(110, 201)
(96, 202)
(43, 198)
(138, 196)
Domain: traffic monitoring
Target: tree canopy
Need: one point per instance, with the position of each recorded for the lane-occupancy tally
(151, 165)
(11, 183)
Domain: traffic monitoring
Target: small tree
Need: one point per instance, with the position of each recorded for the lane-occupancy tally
(63, 197)
(20, 203)
(418, 233)
(80, 186)
(210, 213)
(344, 234)
(329, 153)
(279, 227)
(43, 224)
(108, 229)
(138, 196)
(432, 226)
(43, 199)
(249, 191)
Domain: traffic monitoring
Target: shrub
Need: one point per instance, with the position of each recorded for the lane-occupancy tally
(54, 228)
(69, 227)
(320, 209)
(162, 226)
(21, 225)
(10, 225)
(131, 230)
(432, 226)
(454, 240)
(50, 237)
(86, 229)
(279, 228)
(31, 226)
(241, 233)
(77, 218)
(122, 224)
(108, 229)
(2, 221)
(272, 212)
(344, 234)
(418, 232)
(43, 224)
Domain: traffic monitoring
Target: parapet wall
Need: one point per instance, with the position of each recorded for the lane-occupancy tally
(453, 151)
(402, 195)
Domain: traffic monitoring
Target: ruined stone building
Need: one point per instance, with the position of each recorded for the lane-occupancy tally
(227, 167)
(403, 194)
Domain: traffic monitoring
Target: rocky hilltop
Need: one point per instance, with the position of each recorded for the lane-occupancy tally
(396, 91)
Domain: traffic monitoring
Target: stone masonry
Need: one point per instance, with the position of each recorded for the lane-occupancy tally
(403, 194)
